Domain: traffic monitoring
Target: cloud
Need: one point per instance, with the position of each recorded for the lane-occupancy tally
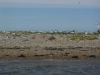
(93, 3)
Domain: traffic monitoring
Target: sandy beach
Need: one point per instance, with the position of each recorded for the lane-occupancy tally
(45, 45)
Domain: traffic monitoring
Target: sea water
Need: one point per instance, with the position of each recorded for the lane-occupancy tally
(49, 67)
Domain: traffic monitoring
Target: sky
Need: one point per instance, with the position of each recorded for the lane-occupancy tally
(48, 15)
(50, 3)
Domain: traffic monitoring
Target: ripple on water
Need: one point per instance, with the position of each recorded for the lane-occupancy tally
(48, 67)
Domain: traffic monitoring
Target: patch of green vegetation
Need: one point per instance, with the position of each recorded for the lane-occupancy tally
(83, 37)
(22, 32)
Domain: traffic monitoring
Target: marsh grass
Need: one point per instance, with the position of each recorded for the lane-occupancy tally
(83, 37)
(69, 35)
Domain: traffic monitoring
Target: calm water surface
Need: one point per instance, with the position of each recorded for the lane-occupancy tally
(49, 67)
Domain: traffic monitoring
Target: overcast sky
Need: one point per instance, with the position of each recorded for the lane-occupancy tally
(71, 3)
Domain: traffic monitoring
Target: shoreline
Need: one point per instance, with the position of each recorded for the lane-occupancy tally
(49, 45)
(50, 53)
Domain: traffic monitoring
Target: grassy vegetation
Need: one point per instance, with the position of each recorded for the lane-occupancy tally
(70, 35)
(83, 37)
(21, 32)
(16, 33)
